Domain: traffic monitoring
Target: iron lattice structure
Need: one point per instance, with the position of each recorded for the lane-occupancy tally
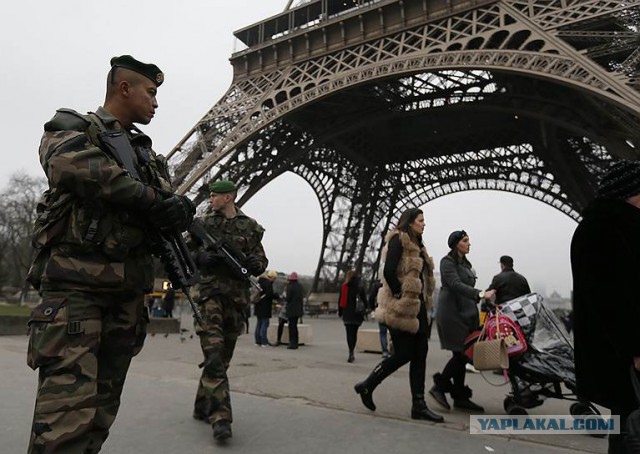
(385, 104)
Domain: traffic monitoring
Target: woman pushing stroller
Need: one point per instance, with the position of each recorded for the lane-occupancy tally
(457, 317)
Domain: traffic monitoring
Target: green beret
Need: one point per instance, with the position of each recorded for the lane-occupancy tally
(146, 69)
(222, 187)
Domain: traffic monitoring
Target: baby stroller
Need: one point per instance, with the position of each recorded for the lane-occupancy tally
(546, 365)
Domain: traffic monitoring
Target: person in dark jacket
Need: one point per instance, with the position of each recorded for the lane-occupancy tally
(508, 284)
(403, 302)
(295, 308)
(168, 302)
(457, 317)
(353, 313)
(605, 262)
(264, 307)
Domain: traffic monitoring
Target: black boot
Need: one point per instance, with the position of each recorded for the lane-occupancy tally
(351, 358)
(419, 410)
(461, 399)
(365, 388)
(222, 430)
(441, 385)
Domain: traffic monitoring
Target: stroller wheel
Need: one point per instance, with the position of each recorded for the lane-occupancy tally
(585, 409)
(512, 408)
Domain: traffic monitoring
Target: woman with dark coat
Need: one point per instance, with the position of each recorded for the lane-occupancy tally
(168, 302)
(264, 307)
(457, 317)
(353, 313)
(295, 308)
(403, 301)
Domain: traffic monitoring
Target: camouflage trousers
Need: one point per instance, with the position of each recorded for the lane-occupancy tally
(82, 343)
(223, 323)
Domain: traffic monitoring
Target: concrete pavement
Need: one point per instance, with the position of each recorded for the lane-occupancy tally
(284, 401)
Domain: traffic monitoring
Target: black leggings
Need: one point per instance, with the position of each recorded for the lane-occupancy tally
(412, 349)
(352, 336)
(455, 369)
(281, 323)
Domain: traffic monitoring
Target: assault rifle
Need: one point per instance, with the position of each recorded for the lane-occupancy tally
(178, 263)
(233, 258)
(170, 247)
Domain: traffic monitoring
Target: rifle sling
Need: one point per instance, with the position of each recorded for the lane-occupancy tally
(116, 143)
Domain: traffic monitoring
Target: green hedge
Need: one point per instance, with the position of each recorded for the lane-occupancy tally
(14, 310)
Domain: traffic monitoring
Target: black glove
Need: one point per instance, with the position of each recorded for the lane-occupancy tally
(174, 213)
(207, 258)
(253, 264)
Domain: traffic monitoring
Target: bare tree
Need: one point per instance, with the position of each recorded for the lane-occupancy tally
(17, 214)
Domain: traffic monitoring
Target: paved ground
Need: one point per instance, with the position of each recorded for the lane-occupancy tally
(284, 401)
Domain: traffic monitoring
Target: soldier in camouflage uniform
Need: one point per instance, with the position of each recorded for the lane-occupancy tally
(223, 297)
(93, 261)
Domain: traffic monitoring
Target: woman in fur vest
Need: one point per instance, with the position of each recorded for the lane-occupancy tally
(403, 301)
(457, 317)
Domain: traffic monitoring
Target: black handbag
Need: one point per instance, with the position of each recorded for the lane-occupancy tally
(632, 426)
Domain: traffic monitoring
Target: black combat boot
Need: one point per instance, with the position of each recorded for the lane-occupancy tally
(419, 410)
(461, 399)
(222, 430)
(365, 388)
(351, 357)
(441, 385)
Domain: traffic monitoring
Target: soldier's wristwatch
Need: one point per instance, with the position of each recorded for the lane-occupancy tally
(481, 295)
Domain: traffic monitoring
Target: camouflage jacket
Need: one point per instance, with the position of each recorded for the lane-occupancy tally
(90, 230)
(243, 234)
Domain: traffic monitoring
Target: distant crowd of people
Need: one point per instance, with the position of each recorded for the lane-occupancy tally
(289, 313)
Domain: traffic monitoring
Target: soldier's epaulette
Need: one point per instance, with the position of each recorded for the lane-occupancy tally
(67, 120)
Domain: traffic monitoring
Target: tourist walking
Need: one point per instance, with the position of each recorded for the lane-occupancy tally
(457, 316)
(403, 301)
(352, 305)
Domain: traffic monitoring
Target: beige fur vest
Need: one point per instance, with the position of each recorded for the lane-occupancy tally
(402, 313)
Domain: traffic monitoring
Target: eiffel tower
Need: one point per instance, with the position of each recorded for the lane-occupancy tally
(384, 104)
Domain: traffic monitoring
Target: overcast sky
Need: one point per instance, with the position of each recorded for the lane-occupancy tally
(56, 54)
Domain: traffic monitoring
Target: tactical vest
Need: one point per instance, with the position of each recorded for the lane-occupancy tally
(243, 234)
(102, 237)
